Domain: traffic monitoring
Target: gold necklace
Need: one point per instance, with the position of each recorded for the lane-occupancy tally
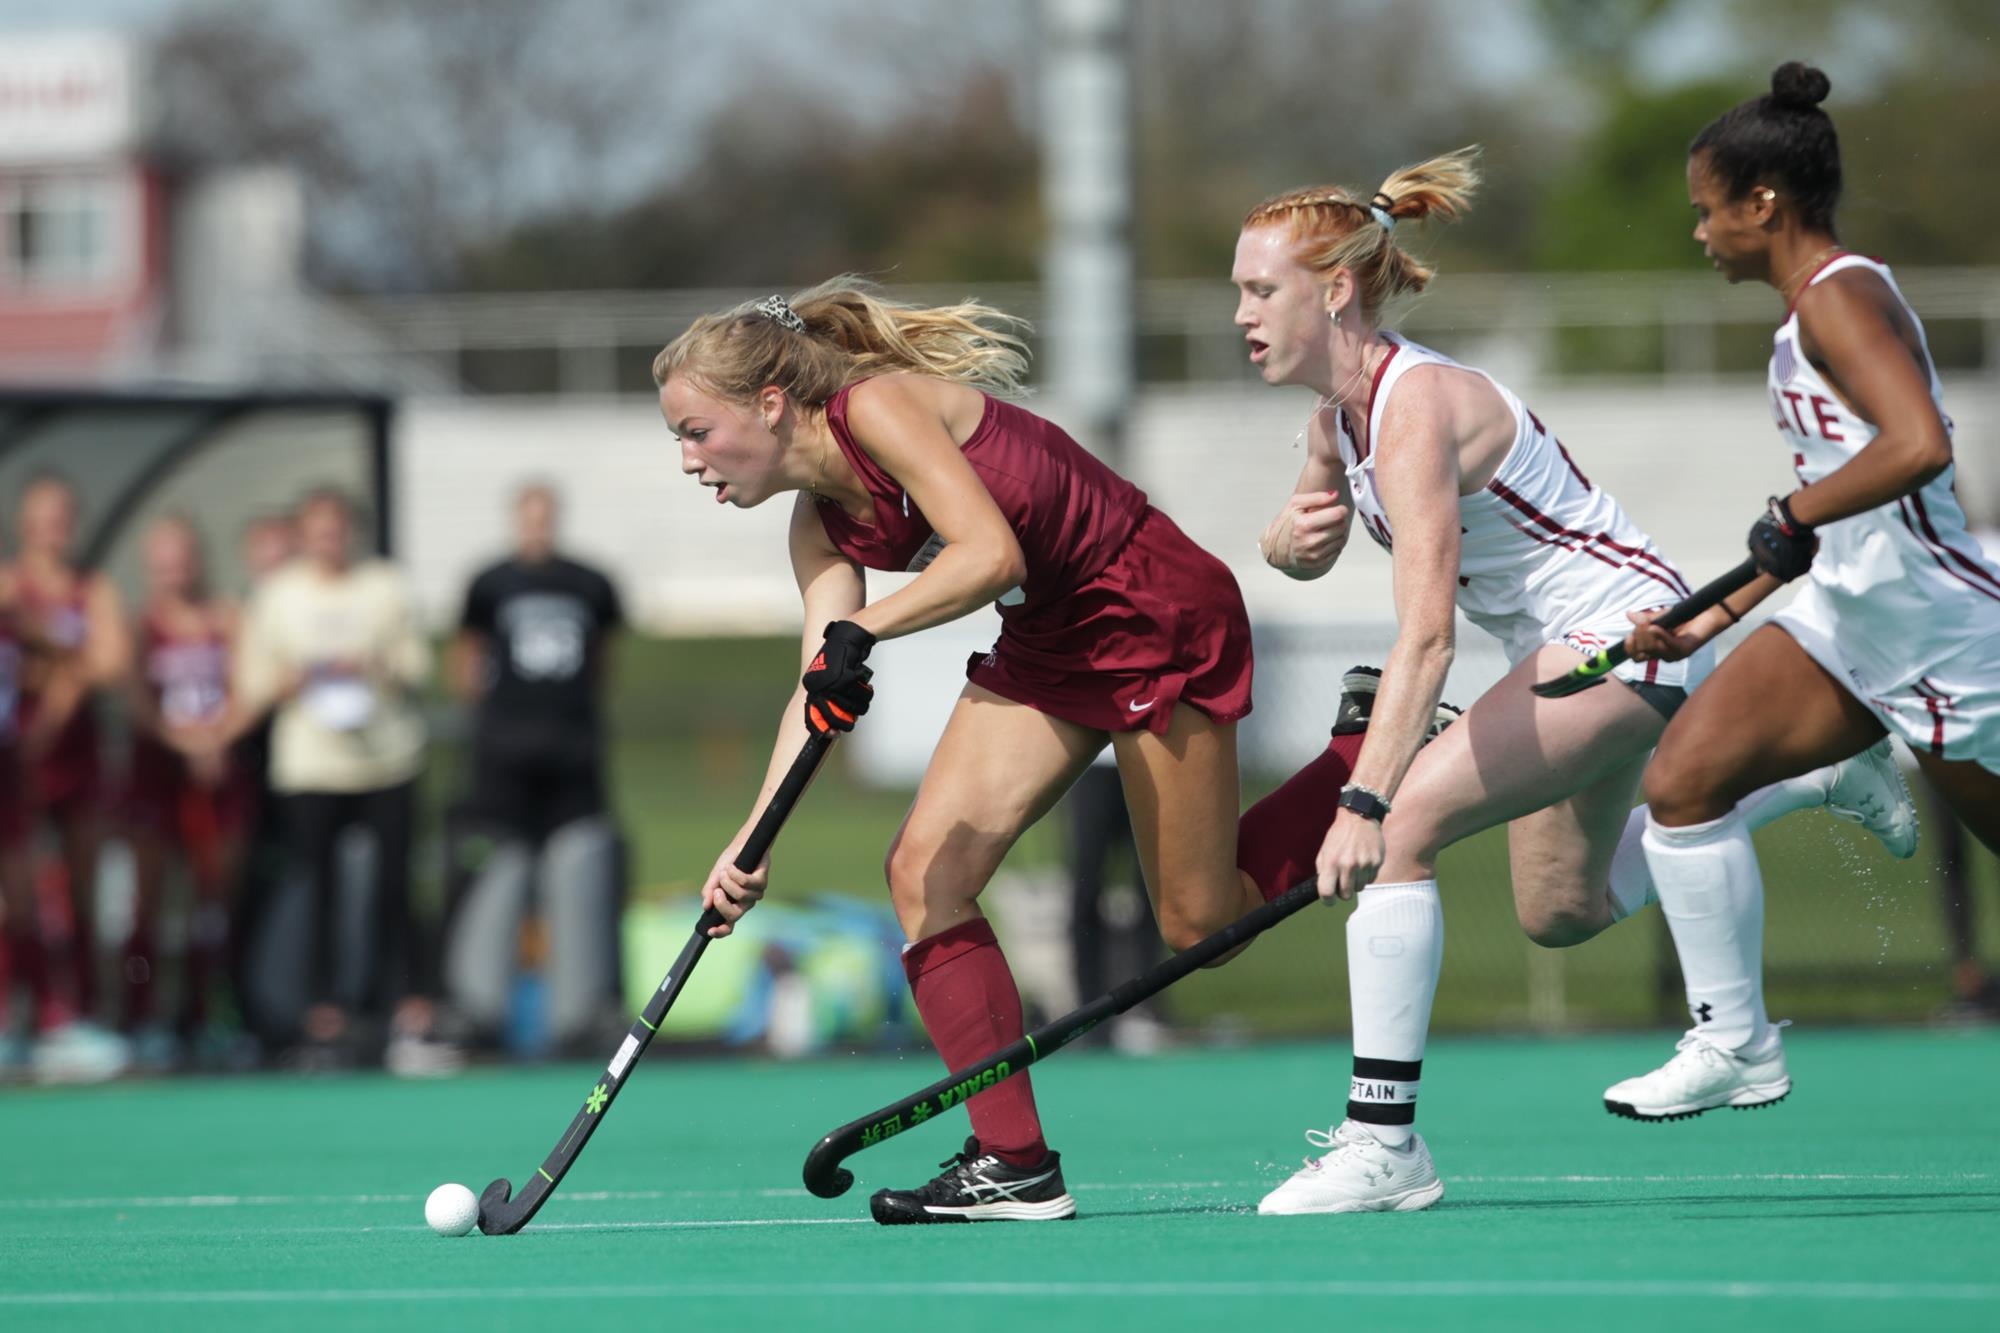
(820, 475)
(1785, 288)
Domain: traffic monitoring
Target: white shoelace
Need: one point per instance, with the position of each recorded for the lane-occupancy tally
(1332, 1143)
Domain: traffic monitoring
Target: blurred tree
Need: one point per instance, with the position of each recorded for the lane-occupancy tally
(417, 128)
(787, 190)
(1621, 200)
(1239, 102)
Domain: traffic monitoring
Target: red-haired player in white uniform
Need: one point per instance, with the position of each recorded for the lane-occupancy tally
(1482, 512)
(1897, 627)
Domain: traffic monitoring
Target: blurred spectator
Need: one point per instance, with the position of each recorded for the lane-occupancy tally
(1112, 926)
(267, 543)
(332, 647)
(187, 798)
(531, 658)
(75, 636)
(21, 962)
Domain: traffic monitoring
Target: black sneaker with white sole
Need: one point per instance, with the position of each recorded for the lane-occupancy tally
(1357, 702)
(976, 1186)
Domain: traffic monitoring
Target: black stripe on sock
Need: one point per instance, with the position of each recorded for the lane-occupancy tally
(1389, 1071)
(1383, 1113)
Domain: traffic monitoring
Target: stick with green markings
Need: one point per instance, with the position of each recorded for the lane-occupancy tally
(501, 1214)
(826, 1177)
(1597, 668)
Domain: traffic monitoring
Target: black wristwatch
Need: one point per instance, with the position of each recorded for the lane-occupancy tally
(1364, 801)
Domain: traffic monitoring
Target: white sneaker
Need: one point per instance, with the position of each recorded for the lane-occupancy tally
(1361, 1174)
(1869, 790)
(80, 1052)
(1701, 1077)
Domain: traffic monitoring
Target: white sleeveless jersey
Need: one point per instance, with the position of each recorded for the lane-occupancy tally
(1902, 607)
(1544, 555)
(1907, 578)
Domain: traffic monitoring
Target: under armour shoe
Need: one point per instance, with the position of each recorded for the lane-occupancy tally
(1701, 1077)
(1357, 702)
(1358, 1174)
(976, 1186)
(1869, 790)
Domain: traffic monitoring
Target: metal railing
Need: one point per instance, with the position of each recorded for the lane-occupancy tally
(1682, 326)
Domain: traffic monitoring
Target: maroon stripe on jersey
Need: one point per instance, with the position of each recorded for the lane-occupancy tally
(1833, 258)
(1374, 387)
(1514, 498)
(1969, 565)
(1903, 512)
(1938, 702)
(1575, 471)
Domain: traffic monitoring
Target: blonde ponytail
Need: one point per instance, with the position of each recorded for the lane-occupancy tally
(1334, 227)
(845, 331)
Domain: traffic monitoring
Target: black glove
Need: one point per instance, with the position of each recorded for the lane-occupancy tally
(1782, 546)
(837, 688)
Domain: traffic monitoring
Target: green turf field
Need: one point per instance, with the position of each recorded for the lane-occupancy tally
(1870, 1200)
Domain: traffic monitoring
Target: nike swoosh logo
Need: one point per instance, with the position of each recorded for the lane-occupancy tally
(1140, 707)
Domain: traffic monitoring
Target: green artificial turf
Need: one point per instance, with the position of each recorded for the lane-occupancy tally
(1871, 1199)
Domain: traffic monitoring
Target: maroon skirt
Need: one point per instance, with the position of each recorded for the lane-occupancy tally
(1162, 624)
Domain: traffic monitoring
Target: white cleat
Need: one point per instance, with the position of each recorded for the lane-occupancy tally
(80, 1052)
(1701, 1077)
(1360, 1174)
(1869, 790)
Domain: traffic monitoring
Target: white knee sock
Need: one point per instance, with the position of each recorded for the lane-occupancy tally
(1713, 895)
(1632, 883)
(1395, 944)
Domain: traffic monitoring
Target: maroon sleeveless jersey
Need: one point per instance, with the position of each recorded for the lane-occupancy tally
(1121, 615)
(70, 770)
(10, 679)
(187, 674)
(14, 813)
(1069, 511)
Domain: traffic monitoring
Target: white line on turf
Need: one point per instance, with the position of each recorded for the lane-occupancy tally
(606, 1196)
(1531, 1289)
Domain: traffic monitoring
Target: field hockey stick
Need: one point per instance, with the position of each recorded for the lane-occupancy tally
(826, 1177)
(1593, 669)
(502, 1215)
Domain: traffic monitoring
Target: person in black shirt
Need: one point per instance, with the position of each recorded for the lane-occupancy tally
(532, 659)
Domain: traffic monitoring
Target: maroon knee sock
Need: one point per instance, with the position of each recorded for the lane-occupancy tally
(1278, 838)
(971, 1008)
(29, 964)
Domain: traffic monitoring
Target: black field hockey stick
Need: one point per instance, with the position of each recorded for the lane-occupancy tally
(503, 1215)
(826, 1177)
(1594, 669)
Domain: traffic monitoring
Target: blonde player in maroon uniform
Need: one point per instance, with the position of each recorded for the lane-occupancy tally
(1484, 513)
(1114, 626)
(1896, 627)
(185, 797)
(76, 629)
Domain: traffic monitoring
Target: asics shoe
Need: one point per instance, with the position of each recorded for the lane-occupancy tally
(1701, 1077)
(976, 1186)
(1869, 790)
(1358, 1174)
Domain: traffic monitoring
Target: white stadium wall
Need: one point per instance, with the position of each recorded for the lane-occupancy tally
(1691, 465)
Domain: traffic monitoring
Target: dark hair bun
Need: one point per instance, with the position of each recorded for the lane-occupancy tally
(1799, 87)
